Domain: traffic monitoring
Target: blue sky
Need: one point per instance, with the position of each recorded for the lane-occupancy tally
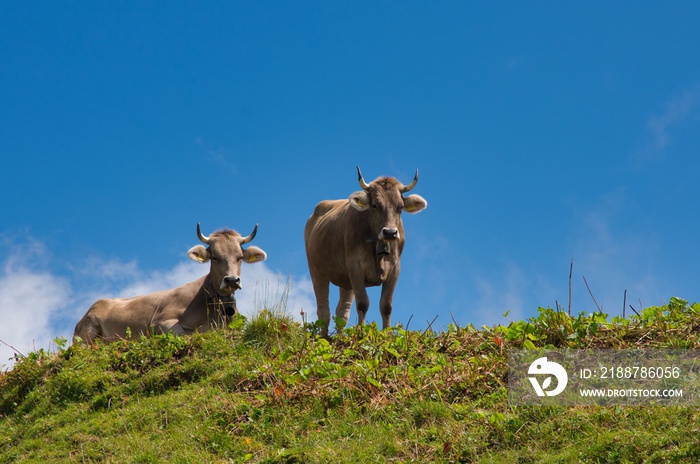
(543, 131)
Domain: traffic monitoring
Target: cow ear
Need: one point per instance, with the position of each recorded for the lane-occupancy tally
(199, 253)
(414, 204)
(254, 254)
(359, 200)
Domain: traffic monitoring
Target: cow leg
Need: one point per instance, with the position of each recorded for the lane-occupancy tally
(171, 325)
(323, 310)
(385, 302)
(361, 303)
(344, 303)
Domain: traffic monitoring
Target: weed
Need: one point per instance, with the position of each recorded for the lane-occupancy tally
(271, 390)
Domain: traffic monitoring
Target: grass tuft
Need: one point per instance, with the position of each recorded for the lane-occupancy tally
(270, 390)
(271, 329)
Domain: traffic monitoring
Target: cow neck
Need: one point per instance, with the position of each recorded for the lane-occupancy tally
(381, 247)
(226, 305)
(382, 253)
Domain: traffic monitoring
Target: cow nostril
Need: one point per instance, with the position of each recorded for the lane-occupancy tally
(231, 281)
(390, 233)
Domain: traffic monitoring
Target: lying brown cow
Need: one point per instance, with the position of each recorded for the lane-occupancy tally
(357, 243)
(197, 306)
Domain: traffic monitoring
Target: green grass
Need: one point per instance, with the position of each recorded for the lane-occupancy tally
(268, 390)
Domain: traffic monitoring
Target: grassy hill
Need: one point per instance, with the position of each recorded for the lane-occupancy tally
(269, 390)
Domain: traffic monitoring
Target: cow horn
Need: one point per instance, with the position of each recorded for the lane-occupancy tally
(410, 186)
(251, 236)
(203, 238)
(362, 182)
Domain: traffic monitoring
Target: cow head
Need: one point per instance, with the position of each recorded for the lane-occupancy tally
(384, 200)
(226, 254)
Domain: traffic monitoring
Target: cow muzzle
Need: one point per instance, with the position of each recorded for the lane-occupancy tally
(389, 234)
(230, 284)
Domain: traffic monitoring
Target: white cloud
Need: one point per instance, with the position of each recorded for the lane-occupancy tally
(97, 268)
(141, 283)
(613, 258)
(28, 300)
(33, 302)
(264, 288)
(506, 292)
(660, 126)
(218, 156)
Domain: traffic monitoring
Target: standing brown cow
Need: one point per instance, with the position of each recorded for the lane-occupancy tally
(357, 243)
(197, 306)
